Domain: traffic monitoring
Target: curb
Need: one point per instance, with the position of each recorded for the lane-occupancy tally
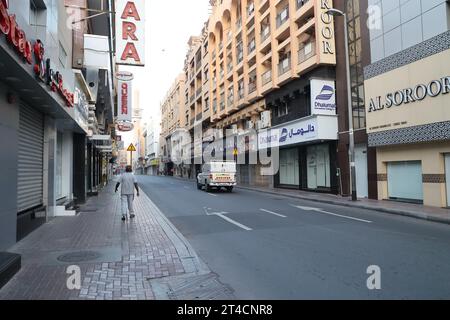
(410, 214)
(192, 263)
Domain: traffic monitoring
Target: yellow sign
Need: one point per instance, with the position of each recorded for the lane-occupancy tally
(131, 148)
(235, 152)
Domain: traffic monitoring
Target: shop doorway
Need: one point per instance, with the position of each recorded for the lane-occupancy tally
(289, 167)
(318, 159)
(447, 177)
(405, 181)
(362, 180)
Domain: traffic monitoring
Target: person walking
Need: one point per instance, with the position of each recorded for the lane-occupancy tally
(129, 184)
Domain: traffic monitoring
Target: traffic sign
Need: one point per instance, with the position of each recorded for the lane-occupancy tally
(131, 148)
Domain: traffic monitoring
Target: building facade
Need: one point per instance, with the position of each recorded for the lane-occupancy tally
(45, 106)
(173, 117)
(407, 97)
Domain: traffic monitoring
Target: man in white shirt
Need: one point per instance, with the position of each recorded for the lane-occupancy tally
(129, 184)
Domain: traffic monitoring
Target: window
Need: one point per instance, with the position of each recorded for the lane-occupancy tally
(282, 109)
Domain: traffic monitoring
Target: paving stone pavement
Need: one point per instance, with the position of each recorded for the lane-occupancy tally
(124, 258)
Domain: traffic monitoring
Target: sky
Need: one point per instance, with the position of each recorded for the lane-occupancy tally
(169, 25)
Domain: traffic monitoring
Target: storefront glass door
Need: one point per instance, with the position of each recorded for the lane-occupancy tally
(289, 167)
(318, 162)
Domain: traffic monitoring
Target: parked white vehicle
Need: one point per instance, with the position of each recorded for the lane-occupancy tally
(217, 174)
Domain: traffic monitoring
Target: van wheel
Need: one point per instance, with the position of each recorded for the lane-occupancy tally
(207, 187)
(199, 186)
(230, 189)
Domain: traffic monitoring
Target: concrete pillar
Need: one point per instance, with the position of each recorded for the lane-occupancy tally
(9, 140)
(50, 142)
(79, 167)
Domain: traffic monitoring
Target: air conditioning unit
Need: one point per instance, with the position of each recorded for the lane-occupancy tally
(259, 125)
(250, 125)
(234, 129)
(265, 119)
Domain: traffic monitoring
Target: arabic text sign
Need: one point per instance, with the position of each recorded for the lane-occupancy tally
(323, 97)
(130, 32)
(298, 132)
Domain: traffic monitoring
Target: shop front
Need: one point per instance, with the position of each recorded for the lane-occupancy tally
(408, 121)
(307, 153)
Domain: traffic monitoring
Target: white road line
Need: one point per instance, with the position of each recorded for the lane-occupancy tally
(330, 213)
(232, 221)
(211, 194)
(274, 213)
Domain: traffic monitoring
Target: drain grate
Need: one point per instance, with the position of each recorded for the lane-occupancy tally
(81, 256)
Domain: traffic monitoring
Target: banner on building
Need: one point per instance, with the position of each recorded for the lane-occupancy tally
(130, 32)
(124, 99)
(323, 97)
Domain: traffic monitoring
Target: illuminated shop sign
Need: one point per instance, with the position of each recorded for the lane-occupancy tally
(410, 95)
(46, 74)
(16, 36)
(130, 31)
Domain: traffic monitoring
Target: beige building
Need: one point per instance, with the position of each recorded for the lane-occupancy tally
(247, 50)
(172, 118)
(258, 46)
(408, 121)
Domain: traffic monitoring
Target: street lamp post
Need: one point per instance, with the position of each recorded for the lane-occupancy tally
(336, 13)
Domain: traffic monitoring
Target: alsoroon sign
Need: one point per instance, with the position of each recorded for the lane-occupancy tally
(410, 95)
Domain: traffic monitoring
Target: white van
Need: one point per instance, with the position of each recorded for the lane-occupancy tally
(217, 174)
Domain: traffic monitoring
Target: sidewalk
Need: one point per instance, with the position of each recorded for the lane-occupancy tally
(440, 215)
(142, 259)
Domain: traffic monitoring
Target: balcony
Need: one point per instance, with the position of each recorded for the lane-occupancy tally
(265, 34)
(301, 3)
(199, 117)
(198, 93)
(192, 98)
(306, 52)
(222, 105)
(250, 10)
(239, 24)
(252, 86)
(266, 77)
(284, 66)
(282, 17)
(251, 46)
(230, 101)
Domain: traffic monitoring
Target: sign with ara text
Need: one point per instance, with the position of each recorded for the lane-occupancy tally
(130, 32)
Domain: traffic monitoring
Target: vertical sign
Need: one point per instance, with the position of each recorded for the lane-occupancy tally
(325, 33)
(323, 97)
(125, 93)
(130, 32)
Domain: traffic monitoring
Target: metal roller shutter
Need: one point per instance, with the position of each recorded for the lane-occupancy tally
(30, 159)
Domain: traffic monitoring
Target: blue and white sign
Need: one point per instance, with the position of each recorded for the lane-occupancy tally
(297, 132)
(323, 97)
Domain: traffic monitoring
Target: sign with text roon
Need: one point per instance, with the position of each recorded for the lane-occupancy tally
(130, 32)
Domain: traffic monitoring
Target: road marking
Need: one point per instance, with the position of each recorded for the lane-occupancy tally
(211, 194)
(232, 221)
(223, 216)
(274, 213)
(329, 213)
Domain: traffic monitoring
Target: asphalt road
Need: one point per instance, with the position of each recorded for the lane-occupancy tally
(272, 247)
